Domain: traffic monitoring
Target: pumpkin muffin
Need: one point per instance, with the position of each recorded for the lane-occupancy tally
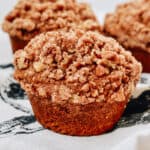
(130, 25)
(78, 82)
(29, 18)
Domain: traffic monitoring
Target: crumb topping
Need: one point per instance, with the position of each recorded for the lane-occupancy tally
(32, 17)
(76, 67)
(130, 24)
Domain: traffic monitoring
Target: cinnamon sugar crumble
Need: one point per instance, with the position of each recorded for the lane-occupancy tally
(77, 67)
(32, 17)
(130, 24)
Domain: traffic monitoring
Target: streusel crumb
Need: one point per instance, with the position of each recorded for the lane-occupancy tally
(31, 17)
(130, 24)
(77, 67)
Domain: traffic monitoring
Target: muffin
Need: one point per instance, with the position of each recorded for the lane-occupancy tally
(78, 82)
(130, 25)
(32, 17)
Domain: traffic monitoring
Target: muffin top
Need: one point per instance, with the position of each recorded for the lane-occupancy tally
(77, 67)
(32, 17)
(130, 24)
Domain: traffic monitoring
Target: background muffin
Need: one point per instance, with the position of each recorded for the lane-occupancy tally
(78, 83)
(32, 17)
(130, 25)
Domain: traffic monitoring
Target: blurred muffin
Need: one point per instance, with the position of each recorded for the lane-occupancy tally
(32, 17)
(78, 83)
(130, 25)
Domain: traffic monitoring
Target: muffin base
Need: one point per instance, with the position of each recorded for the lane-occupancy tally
(143, 57)
(17, 43)
(75, 119)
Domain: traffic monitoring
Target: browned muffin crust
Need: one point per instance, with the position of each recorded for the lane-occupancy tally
(32, 17)
(76, 66)
(78, 82)
(130, 25)
(76, 119)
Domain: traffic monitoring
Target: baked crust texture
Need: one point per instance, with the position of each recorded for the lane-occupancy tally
(31, 17)
(78, 82)
(130, 25)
